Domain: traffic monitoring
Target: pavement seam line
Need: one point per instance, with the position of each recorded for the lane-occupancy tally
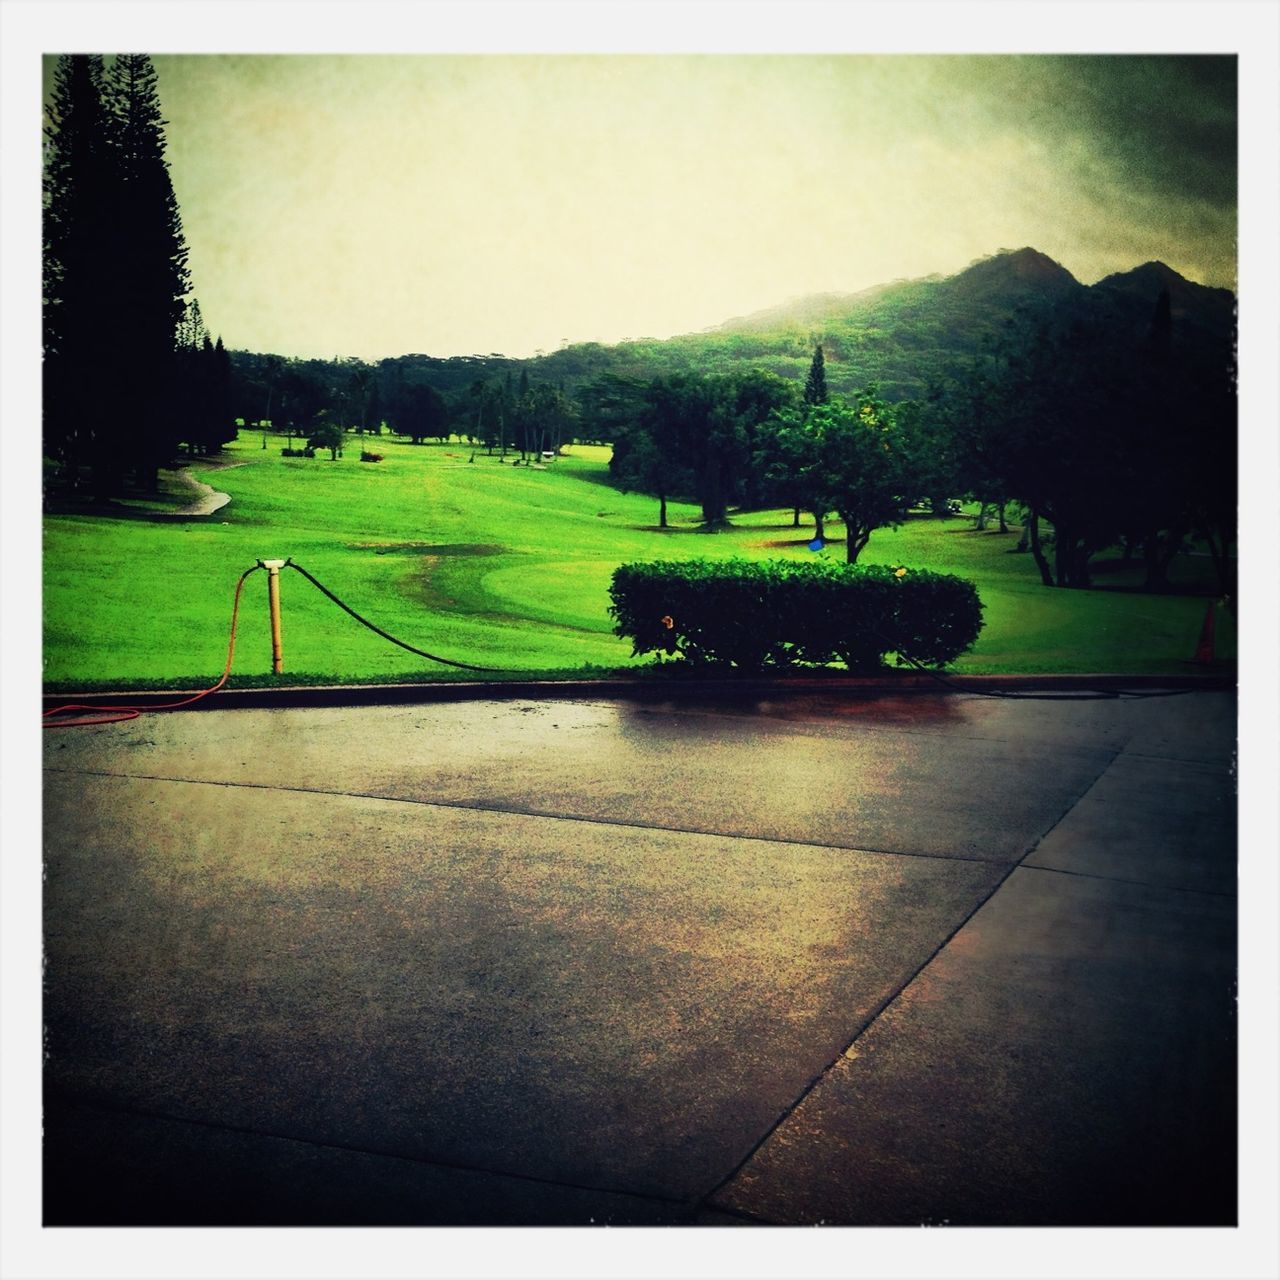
(1209, 766)
(1141, 884)
(529, 813)
(115, 1108)
(708, 1199)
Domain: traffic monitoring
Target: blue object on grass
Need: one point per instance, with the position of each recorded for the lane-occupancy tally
(816, 545)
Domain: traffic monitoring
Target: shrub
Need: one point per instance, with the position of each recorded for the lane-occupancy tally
(308, 452)
(366, 456)
(779, 613)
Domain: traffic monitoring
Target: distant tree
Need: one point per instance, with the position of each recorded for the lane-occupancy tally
(327, 434)
(550, 419)
(861, 466)
(789, 462)
(927, 445)
(222, 416)
(610, 408)
(302, 394)
(703, 431)
(751, 398)
(194, 360)
(269, 387)
(477, 405)
(681, 421)
(373, 409)
(1052, 417)
(645, 425)
(419, 411)
(522, 415)
(360, 382)
(815, 386)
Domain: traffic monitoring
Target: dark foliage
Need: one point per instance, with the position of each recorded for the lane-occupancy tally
(1111, 416)
(815, 386)
(130, 373)
(780, 613)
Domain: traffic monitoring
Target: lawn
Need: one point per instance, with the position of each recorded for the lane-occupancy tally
(502, 567)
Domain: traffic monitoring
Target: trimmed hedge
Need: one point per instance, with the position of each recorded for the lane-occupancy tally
(753, 614)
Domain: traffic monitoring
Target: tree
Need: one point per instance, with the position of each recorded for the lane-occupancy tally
(115, 274)
(1054, 416)
(752, 399)
(202, 399)
(327, 434)
(610, 408)
(419, 411)
(302, 394)
(815, 385)
(477, 406)
(80, 189)
(641, 421)
(151, 280)
(522, 414)
(861, 466)
(373, 408)
(788, 460)
(926, 440)
(696, 435)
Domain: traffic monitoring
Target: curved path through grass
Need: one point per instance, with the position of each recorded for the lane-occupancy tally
(208, 500)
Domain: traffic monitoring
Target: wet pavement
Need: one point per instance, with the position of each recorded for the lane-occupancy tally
(862, 961)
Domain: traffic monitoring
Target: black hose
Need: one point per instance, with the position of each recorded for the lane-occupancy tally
(422, 653)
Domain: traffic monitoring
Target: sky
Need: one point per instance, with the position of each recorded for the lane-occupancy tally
(375, 205)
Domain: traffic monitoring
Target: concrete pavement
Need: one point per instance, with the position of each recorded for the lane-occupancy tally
(873, 960)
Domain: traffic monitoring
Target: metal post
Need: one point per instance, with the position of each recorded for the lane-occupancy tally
(273, 568)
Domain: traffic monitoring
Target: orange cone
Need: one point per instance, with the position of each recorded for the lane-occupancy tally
(1204, 650)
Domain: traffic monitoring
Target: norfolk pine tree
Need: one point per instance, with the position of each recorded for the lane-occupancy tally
(144, 309)
(79, 194)
(815, 385)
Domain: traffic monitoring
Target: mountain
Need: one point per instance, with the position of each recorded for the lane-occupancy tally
(898, 335)
(1009, 277)
(811, 309)
(1190, 304)
(903, 334)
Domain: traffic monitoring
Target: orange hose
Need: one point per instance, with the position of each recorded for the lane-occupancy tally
(132, 713)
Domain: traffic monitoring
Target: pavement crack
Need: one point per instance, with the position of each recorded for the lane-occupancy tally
(1071, 804)
(708, 1200)
(1143, 884)
(546, 815)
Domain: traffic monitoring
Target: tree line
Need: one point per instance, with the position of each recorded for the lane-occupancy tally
(509, 414)
(1104, 423)
(131, 374)
(1100, 420)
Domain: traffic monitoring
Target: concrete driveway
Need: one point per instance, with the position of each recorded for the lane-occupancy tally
(863, 961)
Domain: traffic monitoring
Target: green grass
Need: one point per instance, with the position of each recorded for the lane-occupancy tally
(500, 566)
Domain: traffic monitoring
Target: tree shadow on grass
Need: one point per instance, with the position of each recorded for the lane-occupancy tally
(123, 510)
(1190, 577)
(684, 528)
(431, 548)
(801, 542)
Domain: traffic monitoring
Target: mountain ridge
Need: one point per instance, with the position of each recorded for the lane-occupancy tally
(904, 336)
(1000, 271)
